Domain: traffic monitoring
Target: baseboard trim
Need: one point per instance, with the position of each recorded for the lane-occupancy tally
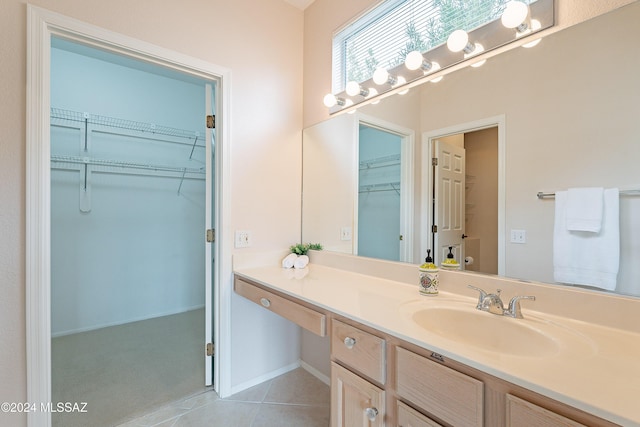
(316, 373)
(124, 322)
(262, 378)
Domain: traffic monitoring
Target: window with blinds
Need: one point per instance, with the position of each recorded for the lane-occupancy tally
(385, 35)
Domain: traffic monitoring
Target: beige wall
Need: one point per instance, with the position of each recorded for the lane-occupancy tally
(260, 41)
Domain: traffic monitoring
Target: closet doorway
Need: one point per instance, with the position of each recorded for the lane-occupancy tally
(384, 206)
(131, 197)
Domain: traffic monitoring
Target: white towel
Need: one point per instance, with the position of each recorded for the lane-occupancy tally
(586, 258)
(289, 260)
(301, 262)
(584, 210)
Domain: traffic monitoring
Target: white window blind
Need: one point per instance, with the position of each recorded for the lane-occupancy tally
(385, 35)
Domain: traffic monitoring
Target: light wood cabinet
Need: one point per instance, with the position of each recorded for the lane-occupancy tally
(451, 396)
(409, 417)
(360, 350)
(306, 317)
(520, 412)
(381, 380)
(354, 401)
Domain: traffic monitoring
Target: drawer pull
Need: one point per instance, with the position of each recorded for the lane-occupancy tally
(371, 413)
(265, 302)
(349, 342)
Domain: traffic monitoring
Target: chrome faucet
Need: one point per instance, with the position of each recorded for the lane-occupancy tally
(493, 303)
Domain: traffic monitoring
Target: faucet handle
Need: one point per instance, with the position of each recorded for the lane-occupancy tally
(481, 297)
(514, 306)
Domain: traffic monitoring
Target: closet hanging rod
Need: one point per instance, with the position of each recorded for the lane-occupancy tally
(128, 165)
(75, 116)
(634, 192)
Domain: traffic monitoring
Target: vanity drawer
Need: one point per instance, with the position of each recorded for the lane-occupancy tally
(451, 396)
(409, 417)
(309, 319)
(359, 350)
(520, 413)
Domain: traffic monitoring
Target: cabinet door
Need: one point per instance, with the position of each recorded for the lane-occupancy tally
(409, 417)
(523, 413)
(354, 401)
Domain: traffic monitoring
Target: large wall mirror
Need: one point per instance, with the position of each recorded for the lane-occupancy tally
(560, 115)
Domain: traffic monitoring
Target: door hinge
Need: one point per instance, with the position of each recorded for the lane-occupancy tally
(211, 122)
(434, 161)
(211, 235)
(434, 228)
(210, 349)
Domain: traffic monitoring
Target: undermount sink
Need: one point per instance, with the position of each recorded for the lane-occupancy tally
(465, 325)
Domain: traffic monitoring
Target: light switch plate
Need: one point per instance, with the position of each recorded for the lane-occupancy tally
(242, 239)
(518, 236)
(345, 233)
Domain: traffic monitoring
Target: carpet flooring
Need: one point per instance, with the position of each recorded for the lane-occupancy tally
(127, 370)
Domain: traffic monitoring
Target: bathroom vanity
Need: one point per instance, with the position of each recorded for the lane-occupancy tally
(402, 359)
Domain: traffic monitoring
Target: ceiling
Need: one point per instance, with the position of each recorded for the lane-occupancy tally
(300, 4)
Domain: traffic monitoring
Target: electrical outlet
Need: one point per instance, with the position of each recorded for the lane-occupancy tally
(345, 233)
(518, 236)
(243, 239)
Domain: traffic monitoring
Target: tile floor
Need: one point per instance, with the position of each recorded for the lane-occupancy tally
(296, 398)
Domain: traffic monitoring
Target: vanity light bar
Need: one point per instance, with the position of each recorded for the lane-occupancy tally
(441, 60)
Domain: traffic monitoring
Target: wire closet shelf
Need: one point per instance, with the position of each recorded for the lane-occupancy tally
(61, 117)
(113, 122)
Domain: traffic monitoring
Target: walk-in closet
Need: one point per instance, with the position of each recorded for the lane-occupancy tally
(128, 207)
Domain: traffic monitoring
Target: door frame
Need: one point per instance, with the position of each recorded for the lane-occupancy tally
(426, 216)
(407, 149)
(42, 24)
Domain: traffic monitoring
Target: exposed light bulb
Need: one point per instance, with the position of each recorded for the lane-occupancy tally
(515, 13)
(352, 88)
(330, 100)
(458, 40)
(372, 92)
(414, 60)
(380, 76)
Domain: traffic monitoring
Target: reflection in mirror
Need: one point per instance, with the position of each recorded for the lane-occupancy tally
(570, 120)
(468, 222)
(384, 204)
(378, 193)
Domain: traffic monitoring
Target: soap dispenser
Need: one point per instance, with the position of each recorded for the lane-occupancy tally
(450, 262)
(428, 274)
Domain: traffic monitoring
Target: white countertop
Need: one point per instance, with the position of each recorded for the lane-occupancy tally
(601, 377)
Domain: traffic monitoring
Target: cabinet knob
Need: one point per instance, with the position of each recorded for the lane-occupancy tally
(371, 413)
(265, 302)
(349, 342)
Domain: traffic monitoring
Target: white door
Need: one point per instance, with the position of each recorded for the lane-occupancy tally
(209, 246)
(449, 201)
